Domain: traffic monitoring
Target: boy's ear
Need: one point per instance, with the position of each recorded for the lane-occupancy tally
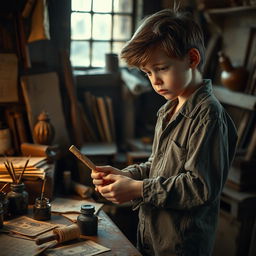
(194, 57)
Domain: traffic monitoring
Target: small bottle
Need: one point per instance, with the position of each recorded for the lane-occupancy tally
(4, 201)
(1, 215)
(87, 220)
(18, 199)
(42, 209)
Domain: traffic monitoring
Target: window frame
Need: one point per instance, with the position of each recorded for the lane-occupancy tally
(111, 40)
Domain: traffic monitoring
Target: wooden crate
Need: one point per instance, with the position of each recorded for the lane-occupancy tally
(236, 223)
(242, 175)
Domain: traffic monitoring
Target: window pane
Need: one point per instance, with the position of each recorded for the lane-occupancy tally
(80, 26)
(98, 52)
(81, 5)
(102, 5)
(123, 6)
(117, 47)
(122, 27)
(80, 54)
(101, 26)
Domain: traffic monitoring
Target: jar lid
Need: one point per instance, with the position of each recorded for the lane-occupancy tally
(87, 209)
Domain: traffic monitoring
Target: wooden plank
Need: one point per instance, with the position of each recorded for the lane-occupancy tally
(251, 148)
(74, 108)
(237, 99)
(82, 157)
(42, 92)
(231, 10)
(104, 118)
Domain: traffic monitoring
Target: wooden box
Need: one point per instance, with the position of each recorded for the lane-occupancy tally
(236, 223)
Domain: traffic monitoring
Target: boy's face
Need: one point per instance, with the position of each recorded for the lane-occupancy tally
(170, 77)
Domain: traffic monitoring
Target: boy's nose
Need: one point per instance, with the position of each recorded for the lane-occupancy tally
(156, 80)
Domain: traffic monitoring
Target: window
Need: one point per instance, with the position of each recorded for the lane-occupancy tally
(99, 27)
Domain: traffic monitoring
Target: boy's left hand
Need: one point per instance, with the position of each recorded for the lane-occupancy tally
(121, 188)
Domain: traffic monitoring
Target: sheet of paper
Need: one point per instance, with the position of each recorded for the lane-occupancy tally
(19, 161)
(71, 216)
(87, 248)
(10, 246)
(27, 226)
(18, 245)
(8, 77)
(63, 205)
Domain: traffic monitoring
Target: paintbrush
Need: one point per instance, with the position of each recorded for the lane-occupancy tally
(43, 187)
(13, 171)
(24, 168)
(2, 188)
(9, 171)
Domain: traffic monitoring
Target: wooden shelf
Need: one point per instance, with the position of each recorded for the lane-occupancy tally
(237, 99)
(231, 10)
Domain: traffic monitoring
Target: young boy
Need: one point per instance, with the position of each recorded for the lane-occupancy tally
(178, 189)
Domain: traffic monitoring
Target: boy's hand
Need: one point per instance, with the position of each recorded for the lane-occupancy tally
(120, 188)
(100, 172)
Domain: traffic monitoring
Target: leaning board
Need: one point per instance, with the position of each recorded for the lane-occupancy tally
(41, 93)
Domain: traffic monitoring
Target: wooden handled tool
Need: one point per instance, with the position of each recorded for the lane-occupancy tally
(82, 157)
(42, 240)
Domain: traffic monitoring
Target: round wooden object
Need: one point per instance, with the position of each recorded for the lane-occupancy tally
(43, 130)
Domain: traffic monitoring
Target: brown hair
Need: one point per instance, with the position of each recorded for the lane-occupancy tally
(174, 32)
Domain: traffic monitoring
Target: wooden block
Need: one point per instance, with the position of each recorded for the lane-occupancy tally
(82, 157)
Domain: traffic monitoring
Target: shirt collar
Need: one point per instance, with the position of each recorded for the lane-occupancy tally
(192, 103)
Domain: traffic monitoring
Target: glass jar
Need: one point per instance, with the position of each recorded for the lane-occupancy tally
(4, 201)
(87, 220)
(42, 209)
(18, 199)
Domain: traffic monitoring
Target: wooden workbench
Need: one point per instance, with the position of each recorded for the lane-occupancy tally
(109, 235)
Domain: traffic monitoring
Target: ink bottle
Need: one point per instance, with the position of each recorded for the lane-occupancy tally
(87, 220)
(4, 201)
(42, 209)
(1, 215)
(18, 199)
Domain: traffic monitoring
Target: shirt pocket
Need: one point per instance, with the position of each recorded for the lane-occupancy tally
(175, 157)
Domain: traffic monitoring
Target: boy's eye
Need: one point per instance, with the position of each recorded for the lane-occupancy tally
(162, 68)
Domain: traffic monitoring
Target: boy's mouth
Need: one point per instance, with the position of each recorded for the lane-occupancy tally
(162, 91)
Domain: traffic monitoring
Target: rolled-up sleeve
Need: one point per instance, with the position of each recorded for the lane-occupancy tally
(203, 174)
(140, 171)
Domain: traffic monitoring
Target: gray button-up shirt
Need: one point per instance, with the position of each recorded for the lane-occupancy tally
(184, 176)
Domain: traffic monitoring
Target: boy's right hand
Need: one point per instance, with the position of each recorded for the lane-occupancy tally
(102, 171)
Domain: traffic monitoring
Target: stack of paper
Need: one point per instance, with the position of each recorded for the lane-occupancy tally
(35, 168)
